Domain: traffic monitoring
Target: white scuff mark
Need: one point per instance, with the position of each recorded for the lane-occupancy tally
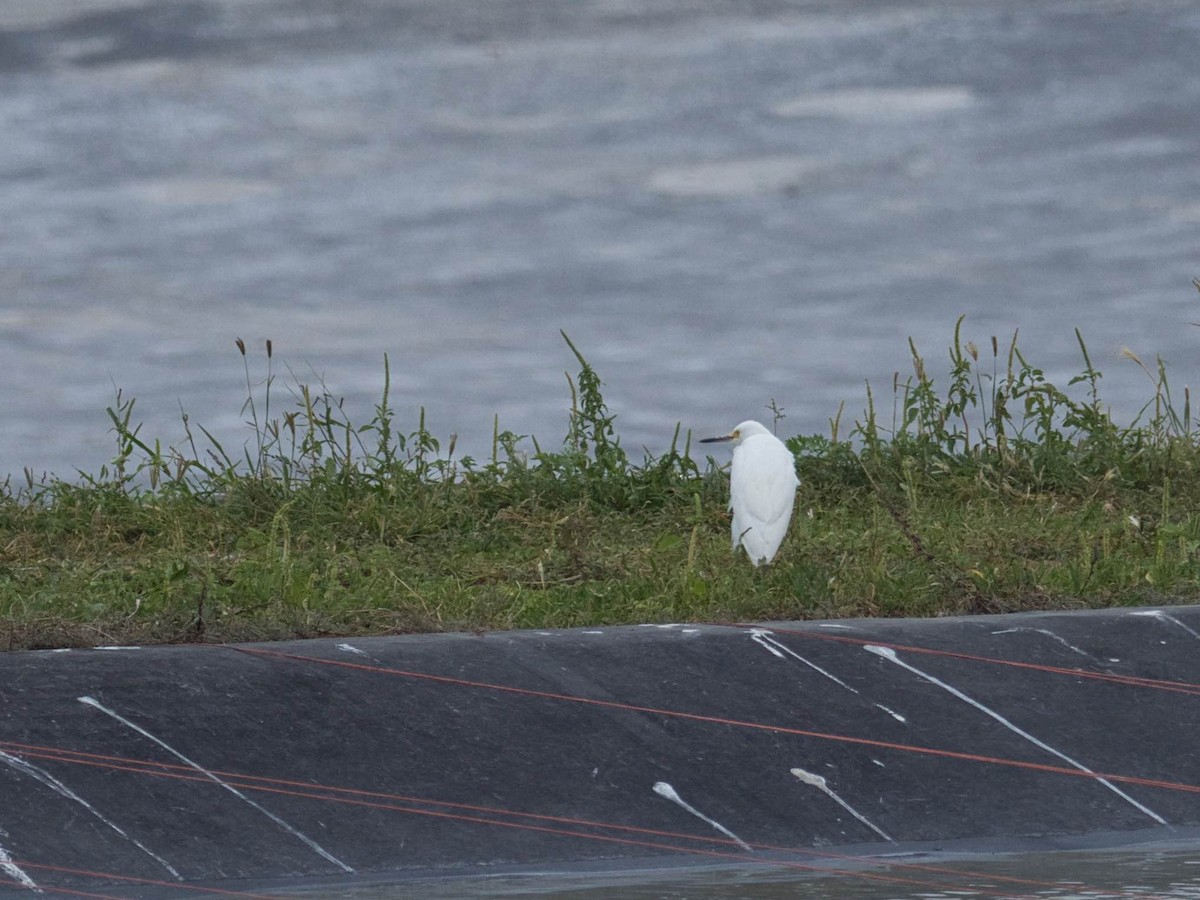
(41, 775)
(757, 635)
(823, 786)
(60, 650)
(665, 790)
(831, 625)
(309, 842)
(691, 630)
(1049, 634)
(878, 763)
(890, 654)
(116, 648)
(591, 632)
(16, 873)
(764, 638)
(350, 648)
(1164, 617)
(657, 625)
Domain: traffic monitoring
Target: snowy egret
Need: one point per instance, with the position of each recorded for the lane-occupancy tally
(762, 489)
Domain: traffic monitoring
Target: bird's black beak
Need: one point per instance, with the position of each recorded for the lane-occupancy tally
(724, 437)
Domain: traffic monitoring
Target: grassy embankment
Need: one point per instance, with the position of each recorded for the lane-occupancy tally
(992, 491)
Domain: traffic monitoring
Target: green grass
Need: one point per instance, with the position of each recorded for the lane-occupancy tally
(988, 490)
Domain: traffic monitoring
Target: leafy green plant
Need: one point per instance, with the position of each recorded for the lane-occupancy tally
(989, 488)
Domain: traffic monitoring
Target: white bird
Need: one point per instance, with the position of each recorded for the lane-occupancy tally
(762, 489)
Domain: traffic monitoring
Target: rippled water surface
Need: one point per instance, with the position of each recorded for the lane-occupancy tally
(723, 204)
(1163, 872)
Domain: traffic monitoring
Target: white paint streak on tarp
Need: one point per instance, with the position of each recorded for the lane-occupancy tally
(313, 845)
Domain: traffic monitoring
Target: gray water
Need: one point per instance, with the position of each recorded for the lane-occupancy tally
(1162, 872)
(1162, 875)
(723, 204)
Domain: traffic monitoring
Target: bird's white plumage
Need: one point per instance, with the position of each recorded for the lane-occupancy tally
(762, 490)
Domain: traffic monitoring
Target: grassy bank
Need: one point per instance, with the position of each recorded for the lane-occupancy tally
(987, 490)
